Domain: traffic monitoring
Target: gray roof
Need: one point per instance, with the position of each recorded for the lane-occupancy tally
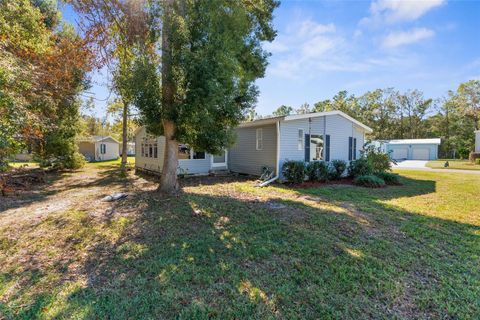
(271, 120)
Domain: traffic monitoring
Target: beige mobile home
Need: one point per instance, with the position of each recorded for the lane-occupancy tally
(149, 151)
(99, 148)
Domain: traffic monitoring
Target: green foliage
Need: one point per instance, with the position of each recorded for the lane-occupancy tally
(360, 167)
(216, 56)
(294, 171)
(337, 169)
(370, 181)
(379, 161)
(283, 110)
(317, 171)
(389, 178)
(474, 156)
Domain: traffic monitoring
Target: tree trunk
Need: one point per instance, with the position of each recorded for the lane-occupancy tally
(124, 137)
(168, 181)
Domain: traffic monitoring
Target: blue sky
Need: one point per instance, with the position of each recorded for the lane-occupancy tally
(323, 47)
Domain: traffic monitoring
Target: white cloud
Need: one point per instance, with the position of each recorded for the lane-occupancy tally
(394, 11)
(396, 39)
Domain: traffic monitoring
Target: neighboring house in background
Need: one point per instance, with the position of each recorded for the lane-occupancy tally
(150, 150)
(327, 136)
(410, 149)
(477, 141)
(130, 148)
(99, 148)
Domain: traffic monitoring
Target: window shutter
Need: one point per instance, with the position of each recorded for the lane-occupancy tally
(355, 149)
(350, 142)
(327, 147)
(307, 147)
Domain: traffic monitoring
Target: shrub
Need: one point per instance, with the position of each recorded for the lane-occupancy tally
(338, 167)
(294, 171)
(389, 178)
(379, 161)
(477, 161)
(369, 181)
(474, 156)
(360, 167)
(317, 171)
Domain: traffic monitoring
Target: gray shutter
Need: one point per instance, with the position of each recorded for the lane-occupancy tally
(350, 142)
(307, 147)
(327, 147)
(355, 149)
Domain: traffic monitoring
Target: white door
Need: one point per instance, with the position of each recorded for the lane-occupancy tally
(420, 154)
(400, 153)
(220, 160)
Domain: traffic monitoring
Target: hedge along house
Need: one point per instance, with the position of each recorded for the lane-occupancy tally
(99, 148)
(307, 137)
(413, 149)
(149, 156)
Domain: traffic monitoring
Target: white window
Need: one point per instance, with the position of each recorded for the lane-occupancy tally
(103, 148)
(259, 139)
(301, 139)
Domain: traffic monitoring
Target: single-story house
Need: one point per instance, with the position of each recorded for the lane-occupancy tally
(327, 136)
(266, 143)
(99, 148)
(411, 149)
(149, 153)
(477, 141)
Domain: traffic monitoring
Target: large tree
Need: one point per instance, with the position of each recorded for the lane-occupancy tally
(117, 29)
(43, 64)
(200, 84)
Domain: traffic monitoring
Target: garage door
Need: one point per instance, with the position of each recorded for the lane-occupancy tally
(399, 153)
(420, 154)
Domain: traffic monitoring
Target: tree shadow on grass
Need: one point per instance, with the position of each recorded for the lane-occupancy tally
(200, 256)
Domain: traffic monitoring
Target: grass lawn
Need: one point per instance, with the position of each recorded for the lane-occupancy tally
(223, 249)
(110, 163)
(453, 164)
(19, 164)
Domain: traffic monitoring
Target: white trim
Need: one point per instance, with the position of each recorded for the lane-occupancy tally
(220, 164)
(327, 113)
(302, 138)
(277, 164)
(259, 139)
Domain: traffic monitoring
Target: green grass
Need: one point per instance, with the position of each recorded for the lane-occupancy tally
(109, 163)
(19, 164)
(453, 164)
(227, 250)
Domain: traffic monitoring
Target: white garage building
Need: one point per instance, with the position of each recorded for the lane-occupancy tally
(413, 149)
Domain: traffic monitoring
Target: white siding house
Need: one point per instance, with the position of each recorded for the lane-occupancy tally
(99, 148)
(265, 143)
(315, 136)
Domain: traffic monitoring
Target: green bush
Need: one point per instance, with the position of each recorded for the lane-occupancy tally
(369, 181)
(477, 161)
(360, 167)
(389, 178)
(317, 171)
(337, 169)
(294, 171)
(379, 161)
(474, 156)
